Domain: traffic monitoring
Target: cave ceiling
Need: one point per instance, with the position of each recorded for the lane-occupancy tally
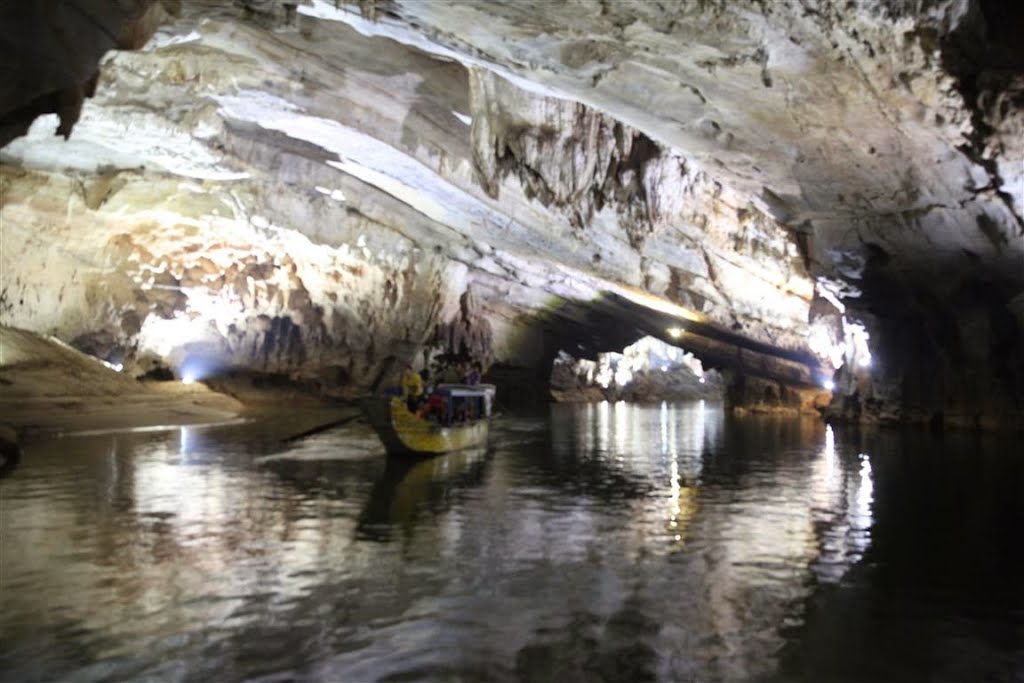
(321, 187)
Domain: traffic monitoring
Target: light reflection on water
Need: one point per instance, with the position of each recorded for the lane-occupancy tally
(605, 542)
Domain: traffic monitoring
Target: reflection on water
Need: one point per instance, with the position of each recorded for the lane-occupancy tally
(411, 486)
(605, 542)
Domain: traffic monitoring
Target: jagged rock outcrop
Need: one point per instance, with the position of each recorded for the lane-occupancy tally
(52, 52)
(468, 335)
(311, 188)
(649, 370)
(644, 214)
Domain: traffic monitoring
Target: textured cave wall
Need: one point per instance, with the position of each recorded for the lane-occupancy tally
(322, 215)
(851, 121)
(584, 173)
(871, 129)
(188, 282)
(673, 230)
(947, 355)
(648, 370)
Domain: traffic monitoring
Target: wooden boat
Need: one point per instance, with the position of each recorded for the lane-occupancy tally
(455, 417)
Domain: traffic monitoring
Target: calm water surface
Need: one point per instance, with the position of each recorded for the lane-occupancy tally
(608, 542)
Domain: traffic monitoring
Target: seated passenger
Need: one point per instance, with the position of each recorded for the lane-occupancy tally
(473, 376)
(412, 388)
(435, 408)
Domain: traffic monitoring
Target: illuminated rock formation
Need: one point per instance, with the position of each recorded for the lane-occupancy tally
(649, 370)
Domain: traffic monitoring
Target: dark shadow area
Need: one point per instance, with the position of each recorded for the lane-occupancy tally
(953, 347)
(10, 456)
(938, 595)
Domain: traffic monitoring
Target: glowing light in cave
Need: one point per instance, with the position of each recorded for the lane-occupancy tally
(826, 291)
(865, 490)
(850, 349)
(656, 303)
(336, 195)
(117, 367)
(675, 332)
(856, 339)
(649, 354)
(829, 384)
(822, 342)
(197, 366)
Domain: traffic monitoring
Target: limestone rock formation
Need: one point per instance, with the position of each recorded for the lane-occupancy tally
(649, 370)
(469, 334)
(320, 189)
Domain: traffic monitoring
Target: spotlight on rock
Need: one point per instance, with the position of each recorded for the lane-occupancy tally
(196, 367)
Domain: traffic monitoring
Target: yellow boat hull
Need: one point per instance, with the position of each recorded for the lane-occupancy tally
(403, 433)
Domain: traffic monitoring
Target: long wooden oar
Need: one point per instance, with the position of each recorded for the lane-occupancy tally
(321, 428)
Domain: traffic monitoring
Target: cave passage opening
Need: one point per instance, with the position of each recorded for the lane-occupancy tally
(616, 348)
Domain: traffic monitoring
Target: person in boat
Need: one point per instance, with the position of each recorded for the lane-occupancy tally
(435, 409)
(412, 388)
(467, 411)
(472, 376)
(424, 404)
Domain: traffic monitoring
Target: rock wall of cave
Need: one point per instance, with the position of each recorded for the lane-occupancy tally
(302, 219)
(324, 190)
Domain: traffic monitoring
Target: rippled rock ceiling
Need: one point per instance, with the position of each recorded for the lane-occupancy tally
(325, 189)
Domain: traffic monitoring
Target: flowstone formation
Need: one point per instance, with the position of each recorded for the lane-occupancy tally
(323, 190)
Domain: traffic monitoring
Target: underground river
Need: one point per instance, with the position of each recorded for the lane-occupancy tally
(598, 542)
